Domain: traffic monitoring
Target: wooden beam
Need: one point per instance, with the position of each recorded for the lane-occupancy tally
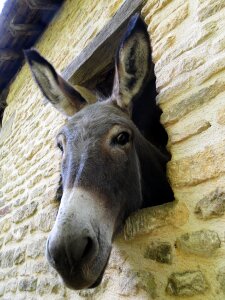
(24, 29)
(44, 4)
(9, 54)
(101, 50)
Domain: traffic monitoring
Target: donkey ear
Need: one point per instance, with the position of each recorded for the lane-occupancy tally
(58, 91)
(133, 63)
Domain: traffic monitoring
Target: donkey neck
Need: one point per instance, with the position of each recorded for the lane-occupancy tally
(155, 187)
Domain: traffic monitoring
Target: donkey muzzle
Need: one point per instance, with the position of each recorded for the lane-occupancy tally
(78, 248)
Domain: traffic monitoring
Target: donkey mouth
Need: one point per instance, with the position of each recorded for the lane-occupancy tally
(83, 274)
(99, 279)
(77, 281)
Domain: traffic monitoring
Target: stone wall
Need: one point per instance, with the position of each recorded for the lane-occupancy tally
(170, 252)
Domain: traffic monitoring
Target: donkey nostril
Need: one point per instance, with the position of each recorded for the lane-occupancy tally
(88, 248)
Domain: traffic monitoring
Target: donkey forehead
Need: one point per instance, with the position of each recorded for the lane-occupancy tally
(96, 120)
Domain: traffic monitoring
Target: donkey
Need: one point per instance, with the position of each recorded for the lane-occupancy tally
(109, 169)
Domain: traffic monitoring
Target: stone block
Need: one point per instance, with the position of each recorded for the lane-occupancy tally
(1, 241)
(19, 255)
(38, 191)
(154, 6)
(210, 69)
(32, 150)
(162, 46)
(36, 248)
(8, 238)
(147, 283)
(221, 278)
(192, 102)
(209, 8)
(34, 181)
(12, 273)
(24, 212)
(11, 286)
(147, 8)
(5, 225)
(46, 220)
(195, 37)
(179, 67)
(221, 116)
(203, 242)
(187, 283)
(188, 131)
(160, 252)
(218, 44)
(7, 258)
(211, 205)
(132, 281)
(28, 284)
(128, 285)
(197, 168)
(50, 286)
(171, 22)
(41, 267)
(2, 290)
(20, 232)
(2, 276)
(148, 220)
(7, 129)
(2, 201)
(21, 200)
(5, 210)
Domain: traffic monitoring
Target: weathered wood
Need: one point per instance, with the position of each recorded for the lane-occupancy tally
(101, 50)
(24, 29)
(9, 54)
(44, 4)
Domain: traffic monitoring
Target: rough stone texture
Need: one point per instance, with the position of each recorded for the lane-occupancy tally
(209, 8)
(192, 102)
(188, 42)
(28, 285)
(2, 290)
(36, 248)
(188, 131)
(19, 255)
(150, 219)
(159, 251)
(186, 284)
(221, 278)
(26, 211)
(50, 286)
(212, 205)
(7, 259)
(198, 168)
(171, 22)
(20, 232)
(203, 242)
(132, 281)
(221, 116)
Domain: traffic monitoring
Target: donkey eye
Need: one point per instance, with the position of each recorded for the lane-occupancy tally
(122, 139)
(60, 146)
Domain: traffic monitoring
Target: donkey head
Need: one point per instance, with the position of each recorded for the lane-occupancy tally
(108, 167)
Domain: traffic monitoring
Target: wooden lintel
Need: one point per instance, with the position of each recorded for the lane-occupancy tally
(24, 29)
(44, 4)
(101, 50)
(9, 54)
